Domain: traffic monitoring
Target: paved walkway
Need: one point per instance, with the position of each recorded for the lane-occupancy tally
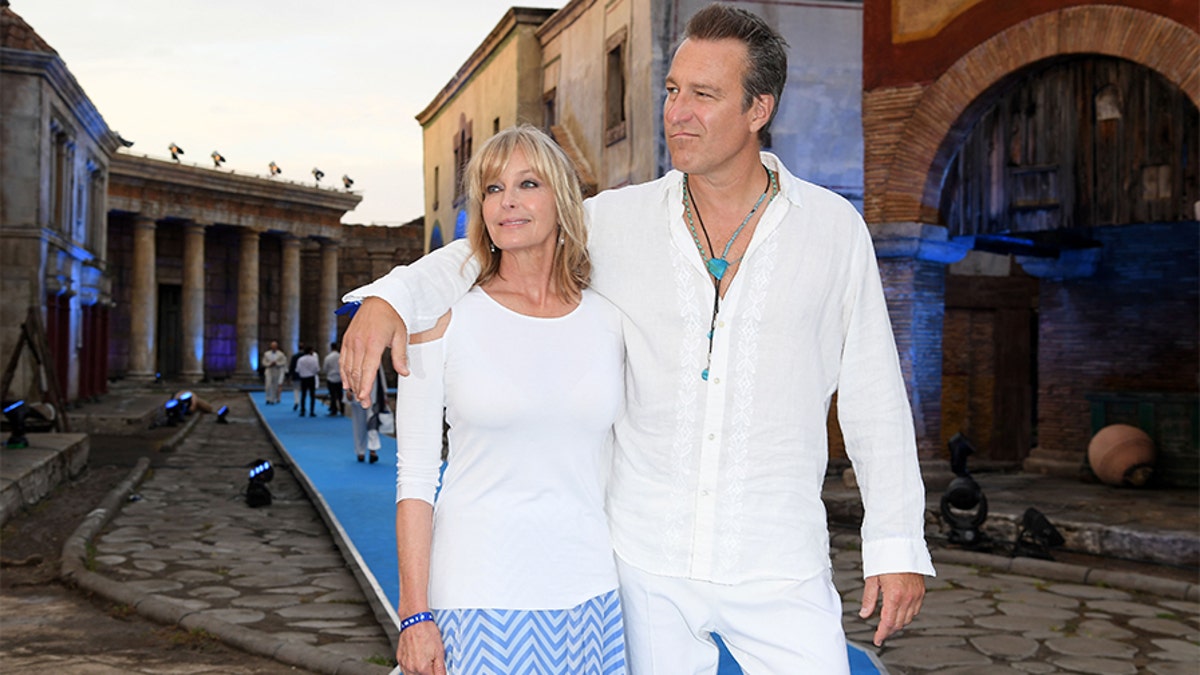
(188, 551)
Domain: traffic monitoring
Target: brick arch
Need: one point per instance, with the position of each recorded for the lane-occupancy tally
(942, 117)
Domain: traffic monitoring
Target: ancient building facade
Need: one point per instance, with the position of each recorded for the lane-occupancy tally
(143, 268)
(55, 151)
(1045, 152)
(193, 298)
(502, 73)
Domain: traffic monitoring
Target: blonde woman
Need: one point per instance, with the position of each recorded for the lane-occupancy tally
(514, 555)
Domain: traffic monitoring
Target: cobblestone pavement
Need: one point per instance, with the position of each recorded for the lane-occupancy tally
(188, 551)
(187, 537)
(976, 621)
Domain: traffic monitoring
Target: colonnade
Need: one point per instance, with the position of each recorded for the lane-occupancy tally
(144, 299)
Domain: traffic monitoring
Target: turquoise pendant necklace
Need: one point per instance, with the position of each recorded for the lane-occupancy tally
(718, 266)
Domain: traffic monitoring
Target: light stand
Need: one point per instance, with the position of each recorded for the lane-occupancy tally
(964, 506)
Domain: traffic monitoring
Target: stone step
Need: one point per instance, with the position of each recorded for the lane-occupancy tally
(29, 474)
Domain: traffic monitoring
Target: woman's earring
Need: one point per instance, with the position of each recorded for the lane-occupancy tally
(492, 247)
(561, 239)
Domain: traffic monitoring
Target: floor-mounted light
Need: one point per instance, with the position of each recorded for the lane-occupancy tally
(15, 414)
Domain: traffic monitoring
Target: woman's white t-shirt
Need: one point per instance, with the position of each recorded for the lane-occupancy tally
(519, 522)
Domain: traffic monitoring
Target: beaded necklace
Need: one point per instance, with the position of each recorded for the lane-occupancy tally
(718, 266)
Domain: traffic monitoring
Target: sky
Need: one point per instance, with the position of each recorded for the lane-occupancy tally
(334, 85)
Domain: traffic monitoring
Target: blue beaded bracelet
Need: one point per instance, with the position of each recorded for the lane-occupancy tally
(415, 619)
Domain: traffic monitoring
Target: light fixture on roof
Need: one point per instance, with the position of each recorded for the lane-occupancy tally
(218, 159)
(176, 151)
(318, 174)
(347, 181)
(275, 170)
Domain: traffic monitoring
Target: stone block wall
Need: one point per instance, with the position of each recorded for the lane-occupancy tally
(369, 252)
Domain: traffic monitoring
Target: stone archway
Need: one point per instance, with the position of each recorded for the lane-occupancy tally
(910, 180)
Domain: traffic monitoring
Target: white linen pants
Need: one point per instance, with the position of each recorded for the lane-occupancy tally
(770, 626)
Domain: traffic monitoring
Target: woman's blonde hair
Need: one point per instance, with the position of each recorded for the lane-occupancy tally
(572, 269)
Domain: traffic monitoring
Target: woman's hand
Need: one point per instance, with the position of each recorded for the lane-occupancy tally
(420, 651)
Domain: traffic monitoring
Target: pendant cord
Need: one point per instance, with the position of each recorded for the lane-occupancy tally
(728, 245)
(717, 266)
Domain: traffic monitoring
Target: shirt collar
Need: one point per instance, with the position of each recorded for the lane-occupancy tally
(789, 185)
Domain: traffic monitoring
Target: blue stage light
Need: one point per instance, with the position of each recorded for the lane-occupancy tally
(15, 414)
(257, 493)
(262, 471)
(175, 411)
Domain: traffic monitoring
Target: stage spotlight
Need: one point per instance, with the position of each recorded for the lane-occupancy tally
(1036, 536)
(15, 414)
(318, 174)
(185, 400)
(347, 181)
(218, 159)
(964, 507)
(174, 410)
(257, 493)
(275, 170)
(222, 414)
(176, 151)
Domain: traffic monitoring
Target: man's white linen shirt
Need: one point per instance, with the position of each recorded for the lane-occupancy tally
(720, 479)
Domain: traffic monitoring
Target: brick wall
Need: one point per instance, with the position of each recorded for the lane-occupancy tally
(1130, 327)
(968, 376)
(915, 294)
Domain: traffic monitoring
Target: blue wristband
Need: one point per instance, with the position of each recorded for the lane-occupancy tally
(415, 619)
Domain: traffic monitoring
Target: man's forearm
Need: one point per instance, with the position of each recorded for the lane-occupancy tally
(423, 291)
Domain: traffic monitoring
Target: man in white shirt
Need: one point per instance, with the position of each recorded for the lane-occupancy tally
(274, 362)
(331, 369)
(714, 499)
(308, 366)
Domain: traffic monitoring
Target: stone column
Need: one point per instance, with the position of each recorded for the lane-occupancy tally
(289, 310)
(912, 264)
(193, 303)
(247, 306)
(327, 302)
(143, 302)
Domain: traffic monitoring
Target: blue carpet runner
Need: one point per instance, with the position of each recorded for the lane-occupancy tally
(362, 498)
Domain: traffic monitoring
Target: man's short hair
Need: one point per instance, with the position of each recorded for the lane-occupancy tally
(766, 70)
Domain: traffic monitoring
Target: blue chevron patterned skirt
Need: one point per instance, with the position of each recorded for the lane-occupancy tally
(586, 639)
